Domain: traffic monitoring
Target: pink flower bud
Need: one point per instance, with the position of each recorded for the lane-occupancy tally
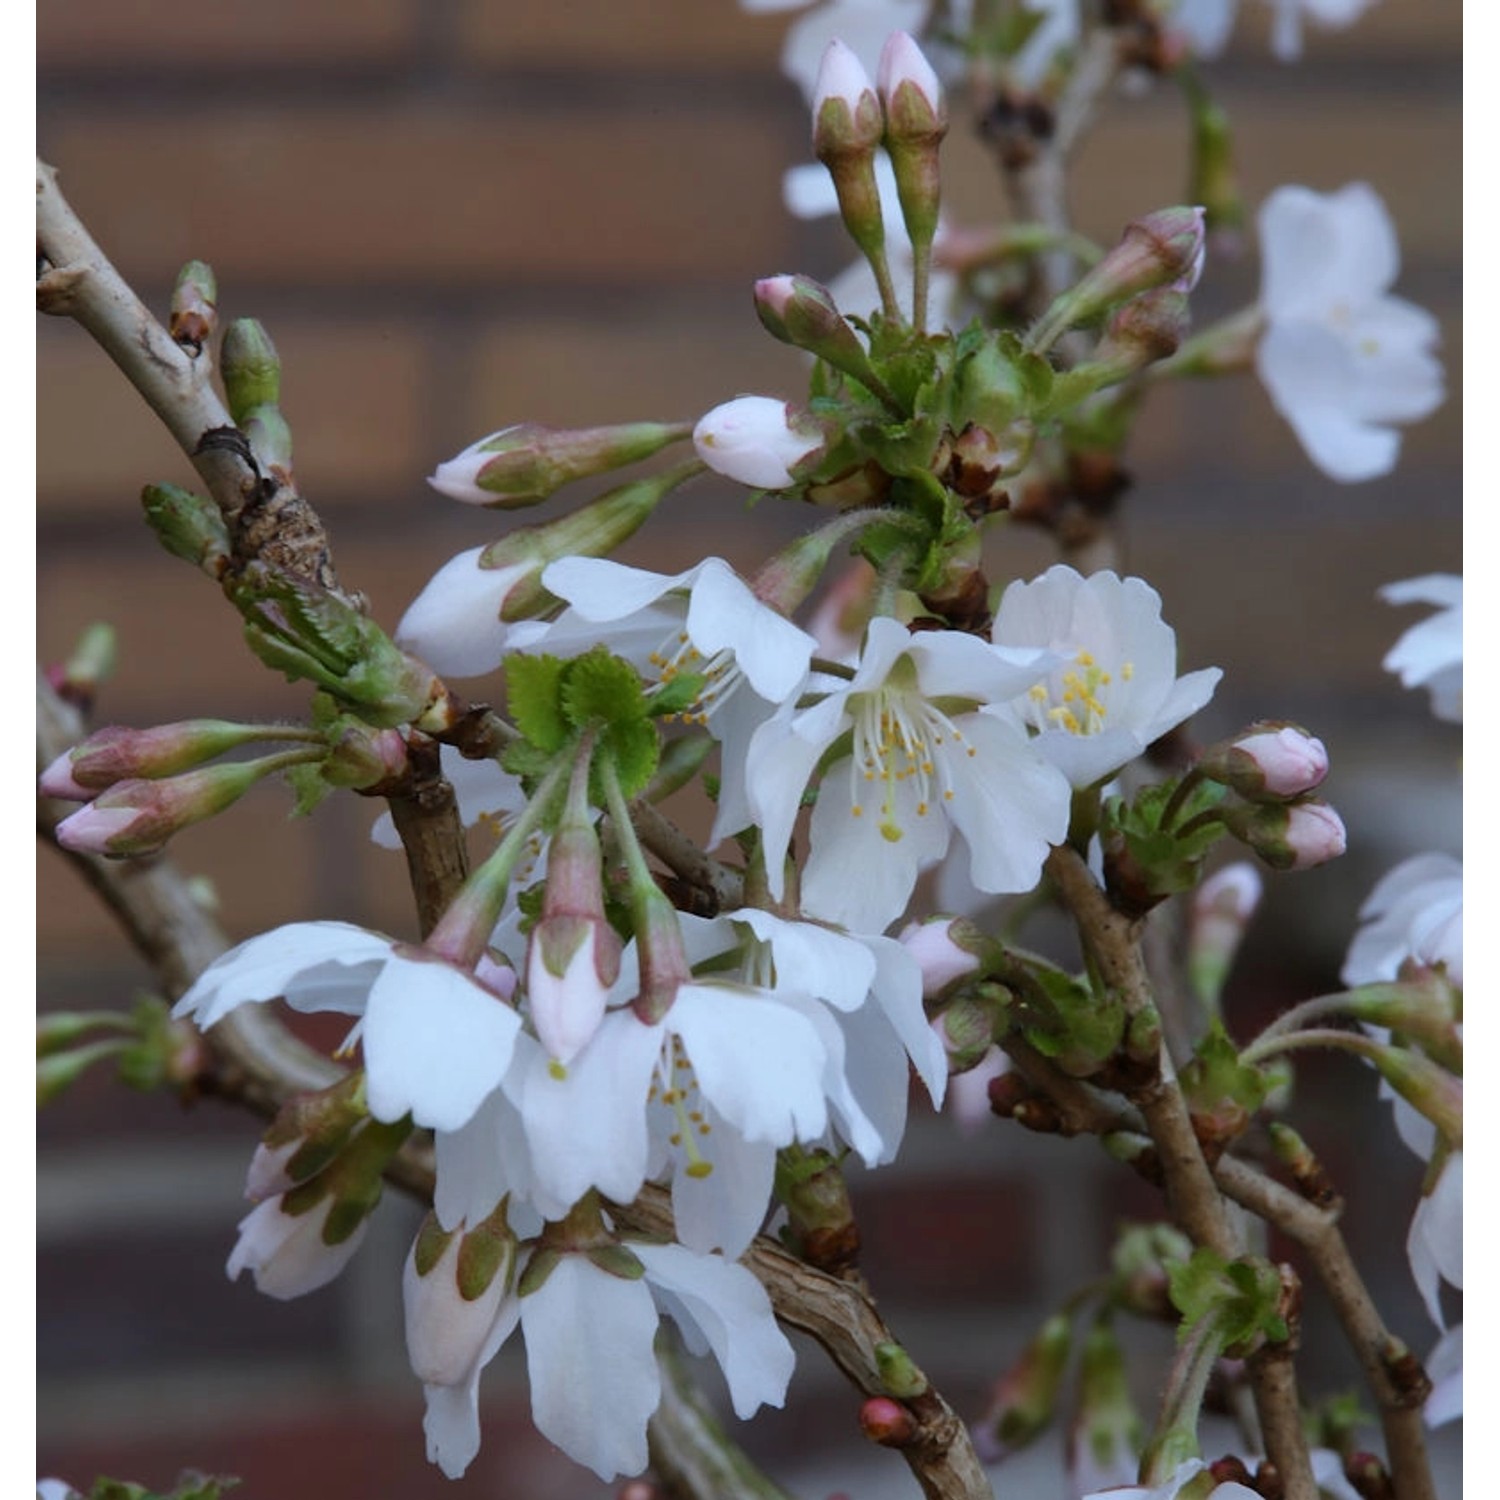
(910, 91)
(138, 817)
(753, 440)
(887, 1422)
(1268, 761)
(117, 753)
(1315, 834)
(941, 958)
(847, 117)
(58, 781)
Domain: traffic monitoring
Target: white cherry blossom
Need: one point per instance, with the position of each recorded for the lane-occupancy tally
(922, 761)
(436, 1041)
(1342, 359)
(1115, 687)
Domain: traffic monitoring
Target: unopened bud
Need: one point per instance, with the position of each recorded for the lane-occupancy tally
(887, 1422)
(848, 124)
(1289, 836)
(1162, 249)
(90, 663)
(524, 464)
(801, 312)
(573, 956)
(916, 120)
(194, 305)
(1307, 1171)
(970, 1022)
(188, 526)
(1025, 1399)
(1268, 762)
(250, 368)
(1147, 328)
(290, 1251)
(758, 441)
(307, 1134)
(1221, 911)
(982, 458)
(362, 758)
(898, 1371)
(117, 753)
(946, 948)
(138, 817)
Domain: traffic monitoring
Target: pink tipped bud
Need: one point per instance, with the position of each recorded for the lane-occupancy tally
(801, 312)
(910, 91)
(117, 752)
(1268, 761)
(1164, 249)
(1147, 328)
(58, 781)
(939, 947)
(138, 817)
(887, 1422)
(1289, 836)
(524, 464)
(916, 120)
(756, 440)
(847, 118)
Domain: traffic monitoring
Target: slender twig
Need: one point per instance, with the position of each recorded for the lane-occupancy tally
(1399, 1384)
(685, 859)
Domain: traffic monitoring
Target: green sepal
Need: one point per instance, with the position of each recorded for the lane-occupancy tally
(432, 1240)
(1241, 1298)
(1066, 1021)
(533, 697)
(488, 1250)
(1147, 862)
(615, 1260)
(543, 1262)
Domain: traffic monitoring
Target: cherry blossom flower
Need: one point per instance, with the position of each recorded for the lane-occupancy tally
(1431, 653)
(436, 1041)
(754, 440)
(1115, 687)
(1342, 359)
(1415, 911)
(595, 1408)
(914, 772)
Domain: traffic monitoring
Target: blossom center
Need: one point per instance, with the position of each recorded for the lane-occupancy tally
(1076, 699)
(898, 736)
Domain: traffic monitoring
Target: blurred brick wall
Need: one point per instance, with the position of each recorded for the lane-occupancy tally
(456, 214)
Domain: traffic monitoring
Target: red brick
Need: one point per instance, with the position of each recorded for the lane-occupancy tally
(621, 34)
(199, 38)
(428, 195)
(353, 394)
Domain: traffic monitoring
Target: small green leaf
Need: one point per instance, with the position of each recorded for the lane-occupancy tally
(533, 686)
(602, 688)
(635, 749)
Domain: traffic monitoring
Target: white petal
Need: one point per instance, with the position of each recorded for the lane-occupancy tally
(812, 959)
(451, 1422)
(731, 1310)
(724, 1210)
(588, 1128)
(1445, 1366)
(274, 964)
(759, 1063)
(897, 993)
(594, 1381)
(436, 1042)
(454, 624)
(724, 615)
(286, 1253)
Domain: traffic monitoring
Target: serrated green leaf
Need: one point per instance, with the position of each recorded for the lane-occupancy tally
(601, 688)
(533, 696)
(525, 760)
(635, 749)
